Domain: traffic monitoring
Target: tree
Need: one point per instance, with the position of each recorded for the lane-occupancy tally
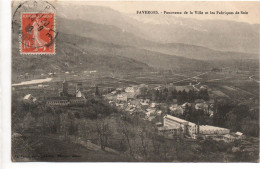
(179, 99)
(157, 95)
(73, 129)
(156, 144)
(231, 121)
(143, 134)
(124, 128)
(164, 94)
(174, 94)
(169, 96)
(184, 96)
(143, 91)
(103, 133)
(241, 111)
(149, 94)
(191, 96)
(97, 93)
(221, 108)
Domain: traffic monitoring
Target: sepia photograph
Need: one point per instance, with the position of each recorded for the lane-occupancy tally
(135, 81)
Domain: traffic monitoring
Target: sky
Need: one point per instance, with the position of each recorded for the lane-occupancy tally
(130, 7)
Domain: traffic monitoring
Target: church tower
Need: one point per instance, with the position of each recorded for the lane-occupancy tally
(65, 88)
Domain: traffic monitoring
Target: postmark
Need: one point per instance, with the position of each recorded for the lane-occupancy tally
(34, 21)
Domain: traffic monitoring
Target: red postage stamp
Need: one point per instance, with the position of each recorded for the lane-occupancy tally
(38, 33)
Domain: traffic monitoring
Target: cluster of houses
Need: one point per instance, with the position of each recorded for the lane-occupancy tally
(127, 99)
(199, 104)
(173, 127)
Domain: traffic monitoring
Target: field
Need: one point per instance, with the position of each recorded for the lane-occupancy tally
(236, 85)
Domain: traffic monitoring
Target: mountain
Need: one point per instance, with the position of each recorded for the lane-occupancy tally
(112, 34)
(220, 35)
(101, 32)
(74, 53)
(84, 53)
(104, 39)
(199, 52)
(153, 59)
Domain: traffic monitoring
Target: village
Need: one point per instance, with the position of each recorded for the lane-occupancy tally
(185, 112)
(166, 116)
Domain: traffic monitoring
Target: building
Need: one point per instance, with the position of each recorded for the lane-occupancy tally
(174, 122)
(69, 96)
(122, 97)
(130, 90)
(184, 105)
(158, 88)
(57, 101)
(150, 112)
(111, 96)
(135, 103)
(170, 131)
(131, 96)
(68, 89)
(239, 134)
(188, 128)
(159, 124)
(145, 101)
(158, 112)
(78, 101)
(79, 94)
(65, 101)
(193, 130)
(29, 99)
(155, 105)
(212, 130)
(201, 106)
(231, 137)
(176, 110)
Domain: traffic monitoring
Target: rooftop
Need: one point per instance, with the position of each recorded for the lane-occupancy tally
(239, 133)
(27, 96)
(167, 128)
(56, 98)
(207, 127)
(175, 119)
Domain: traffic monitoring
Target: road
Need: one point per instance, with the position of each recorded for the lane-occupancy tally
(251, 78)
(189, 78)
(35, 81)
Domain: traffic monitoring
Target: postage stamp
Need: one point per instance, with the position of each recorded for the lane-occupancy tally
(37, 33)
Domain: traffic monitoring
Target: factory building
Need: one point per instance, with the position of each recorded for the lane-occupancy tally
(174, 125)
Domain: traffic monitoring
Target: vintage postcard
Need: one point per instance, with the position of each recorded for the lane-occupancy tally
(135, 81)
